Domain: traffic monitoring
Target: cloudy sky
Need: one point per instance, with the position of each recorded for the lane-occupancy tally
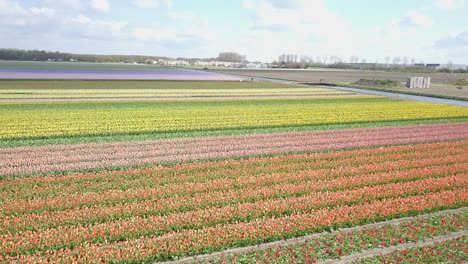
(426, 30)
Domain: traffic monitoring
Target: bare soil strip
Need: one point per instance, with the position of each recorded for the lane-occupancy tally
(365, 254)
(179, 98)
(27, 160)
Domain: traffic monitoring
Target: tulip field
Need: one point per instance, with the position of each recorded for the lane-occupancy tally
(342, 243)
(229, 180)
(74, 119)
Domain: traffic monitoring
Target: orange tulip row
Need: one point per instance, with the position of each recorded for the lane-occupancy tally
(134, 227)
(161, 206)
(210, 176)
(241, 233)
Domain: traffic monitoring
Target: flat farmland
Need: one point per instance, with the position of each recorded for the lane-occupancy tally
(27, 122)
(443, 84)
(103, 71)
(347, 76)
(81, 66)
(62, 90)
(227, 172)
(447, 90)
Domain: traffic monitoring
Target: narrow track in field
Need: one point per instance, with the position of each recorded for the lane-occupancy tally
(384, 251)
(344, 259)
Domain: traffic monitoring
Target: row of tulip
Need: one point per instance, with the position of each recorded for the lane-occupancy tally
(27, 160)
(308, 179)
(135, 227)
(452, 251)
(339, 244)
(205, 239)
(38, 120)
(162, 181)
(30, 214)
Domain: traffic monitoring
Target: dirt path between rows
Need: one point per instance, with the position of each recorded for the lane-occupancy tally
(384, 251)
(344, 259)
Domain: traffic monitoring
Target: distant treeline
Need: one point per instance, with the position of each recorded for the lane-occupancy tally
(42, 55)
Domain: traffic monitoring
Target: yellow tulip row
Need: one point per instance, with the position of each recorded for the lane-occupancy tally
(72, 119)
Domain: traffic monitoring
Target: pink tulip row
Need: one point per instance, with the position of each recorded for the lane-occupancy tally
(27, 160)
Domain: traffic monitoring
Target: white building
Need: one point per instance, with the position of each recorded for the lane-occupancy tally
(256, 65)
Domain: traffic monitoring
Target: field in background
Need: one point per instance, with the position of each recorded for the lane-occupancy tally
(81, 66)
(96, 71)
(69, 89)
(443, 84)
(314, 76)
(441, 90)
(103, 177)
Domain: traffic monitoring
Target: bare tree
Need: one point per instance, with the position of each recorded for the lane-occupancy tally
(231, 57)
(324, 59)
(387, 60)
(450, 65)
(396, 60)
(405, 60)
(353, 59)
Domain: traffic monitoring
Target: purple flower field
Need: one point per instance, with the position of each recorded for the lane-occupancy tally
(78, 74)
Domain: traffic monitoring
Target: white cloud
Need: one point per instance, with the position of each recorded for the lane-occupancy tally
(82, 19)
(83, 25)
(286, 4)
(152, 3)
(153, 34)
(453, 47)
(291, 27)
(414, 19)
(8, 7)
(449, 4)
(100, 5)
(458, 40)
(42, 11)
(64, 4)
(13, 14)
(406, 36)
